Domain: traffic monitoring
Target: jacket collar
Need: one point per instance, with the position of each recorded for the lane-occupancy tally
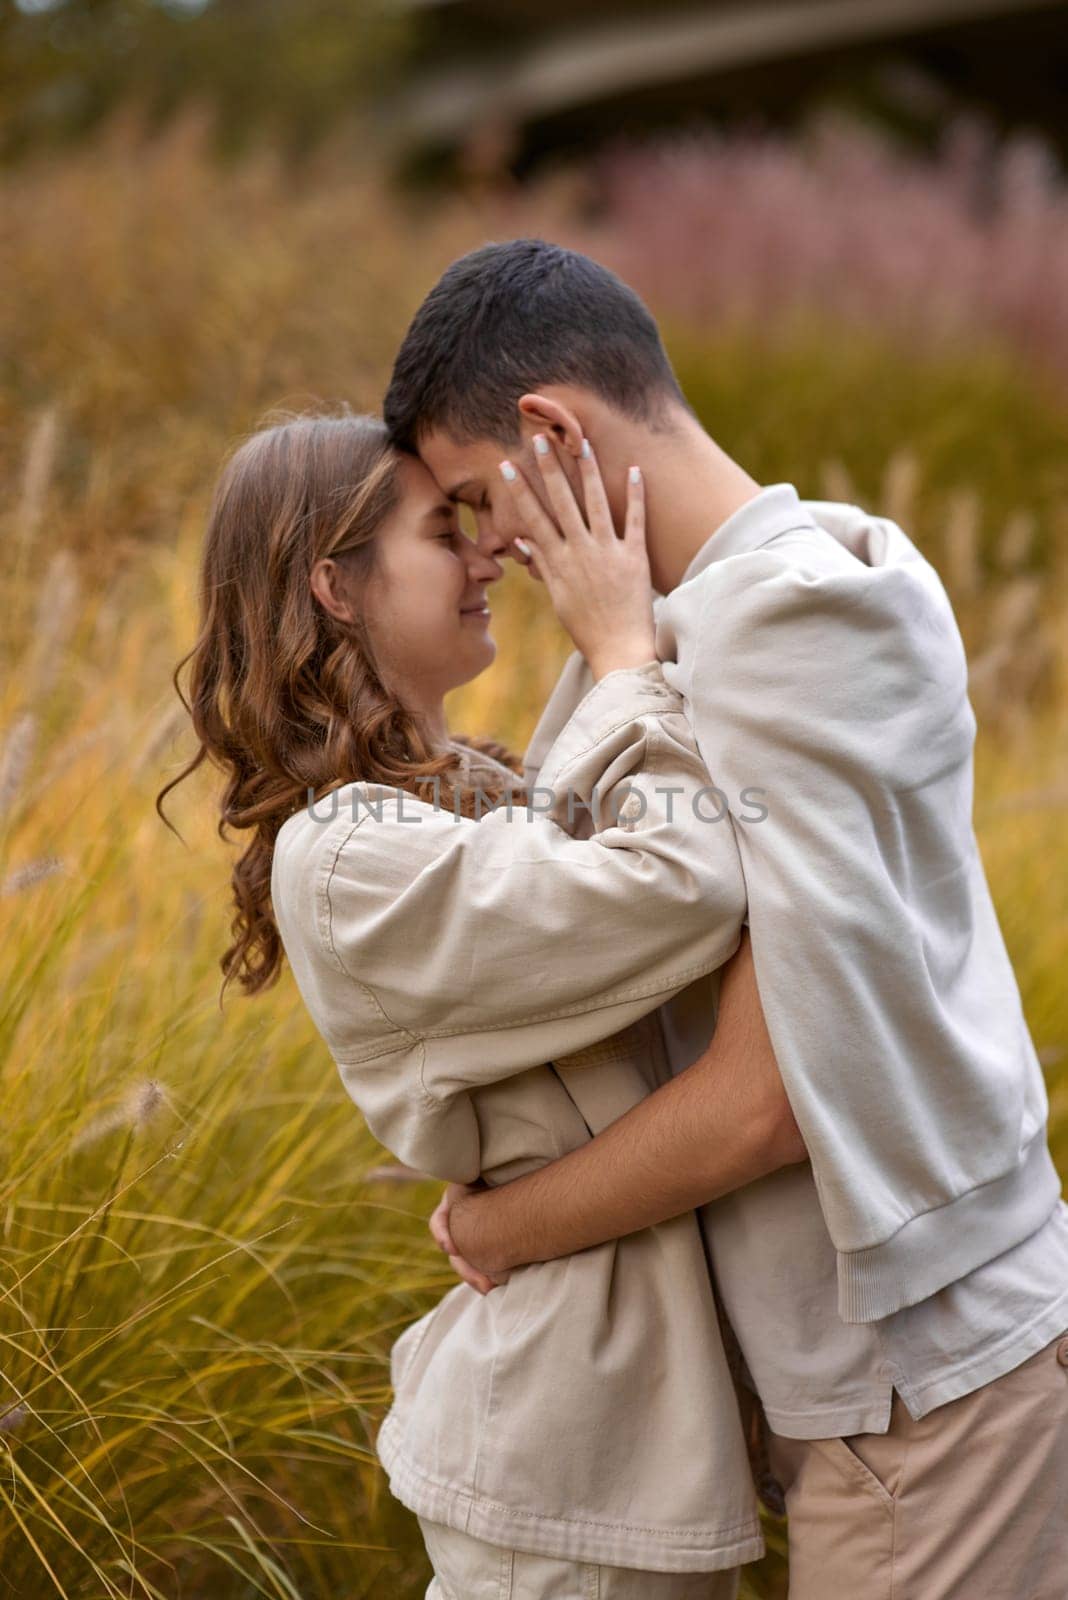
(775, 510)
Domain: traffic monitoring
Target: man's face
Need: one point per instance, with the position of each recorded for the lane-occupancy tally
(469, 474)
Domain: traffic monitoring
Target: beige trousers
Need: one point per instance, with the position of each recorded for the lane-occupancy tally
(469, 1569)
(968, 1503)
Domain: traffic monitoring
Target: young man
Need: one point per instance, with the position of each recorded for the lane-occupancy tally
(902, 1299)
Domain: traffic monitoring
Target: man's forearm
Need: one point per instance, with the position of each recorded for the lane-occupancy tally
(720, 1124)
(660, 1159)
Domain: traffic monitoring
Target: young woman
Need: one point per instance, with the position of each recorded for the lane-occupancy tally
(485, 980)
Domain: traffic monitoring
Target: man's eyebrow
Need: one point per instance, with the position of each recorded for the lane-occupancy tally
(458, 489)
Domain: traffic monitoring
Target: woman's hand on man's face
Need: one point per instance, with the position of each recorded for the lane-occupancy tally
(599, 582)
(441, 1229)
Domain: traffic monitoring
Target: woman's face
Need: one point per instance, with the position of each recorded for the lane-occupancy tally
(425, 604)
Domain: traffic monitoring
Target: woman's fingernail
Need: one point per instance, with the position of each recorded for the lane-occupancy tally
(541, 444)
(635, 474)
(523, 548)
(586, 451)
(508, 472)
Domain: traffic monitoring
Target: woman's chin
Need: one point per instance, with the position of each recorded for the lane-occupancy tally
(489, 652)
(479, 655)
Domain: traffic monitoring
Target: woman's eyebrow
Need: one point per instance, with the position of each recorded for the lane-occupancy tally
(442, 509)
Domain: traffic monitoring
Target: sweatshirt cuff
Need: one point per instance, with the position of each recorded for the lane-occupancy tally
(618, 698)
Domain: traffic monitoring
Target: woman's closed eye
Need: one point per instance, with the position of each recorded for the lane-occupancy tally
(456, 535)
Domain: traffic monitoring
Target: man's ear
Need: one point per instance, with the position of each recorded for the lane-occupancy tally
(543, 415)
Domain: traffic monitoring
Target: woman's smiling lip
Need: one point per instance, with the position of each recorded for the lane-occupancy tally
(475, 611)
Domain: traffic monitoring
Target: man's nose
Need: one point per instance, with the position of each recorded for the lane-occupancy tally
(483, 565)
(491, 543)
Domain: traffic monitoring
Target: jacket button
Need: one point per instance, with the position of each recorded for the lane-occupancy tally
(1062, 1352)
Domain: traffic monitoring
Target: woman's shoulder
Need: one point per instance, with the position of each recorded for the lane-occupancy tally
(318, 828)
(375, 836)
(326, 824)
(350, 855)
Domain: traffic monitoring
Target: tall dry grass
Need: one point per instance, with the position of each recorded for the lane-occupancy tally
(201, 1273)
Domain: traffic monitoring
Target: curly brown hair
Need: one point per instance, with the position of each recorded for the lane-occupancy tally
(286, 699)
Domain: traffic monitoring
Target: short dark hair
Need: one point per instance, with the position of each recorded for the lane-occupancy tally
(508, 317)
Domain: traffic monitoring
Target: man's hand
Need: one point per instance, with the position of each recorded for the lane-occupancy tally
(440, 1229)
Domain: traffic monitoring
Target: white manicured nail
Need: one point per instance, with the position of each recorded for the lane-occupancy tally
(586, 451)
(541, 444)
(523, 548)
(635, 474)
(508, 472)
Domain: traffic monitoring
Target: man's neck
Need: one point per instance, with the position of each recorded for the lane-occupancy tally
(691, 488)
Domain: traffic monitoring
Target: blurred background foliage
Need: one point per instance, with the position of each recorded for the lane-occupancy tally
(288, 69)
(205, 1255)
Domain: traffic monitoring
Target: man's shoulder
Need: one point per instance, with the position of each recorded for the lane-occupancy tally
(836, 558)
(804, 630)
(795, 572)
(808, 550)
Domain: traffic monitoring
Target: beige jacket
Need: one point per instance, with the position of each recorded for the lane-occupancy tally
(486, 989)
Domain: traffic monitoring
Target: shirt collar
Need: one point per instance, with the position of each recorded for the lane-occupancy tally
(774, 510)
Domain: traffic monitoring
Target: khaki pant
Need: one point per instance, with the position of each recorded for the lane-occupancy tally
(469, 1569)
(968, 1503)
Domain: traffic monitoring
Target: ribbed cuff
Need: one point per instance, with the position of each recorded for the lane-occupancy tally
(941, 1246)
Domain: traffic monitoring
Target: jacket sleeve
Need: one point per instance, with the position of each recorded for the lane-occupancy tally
(495, 945)
(845, 700)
